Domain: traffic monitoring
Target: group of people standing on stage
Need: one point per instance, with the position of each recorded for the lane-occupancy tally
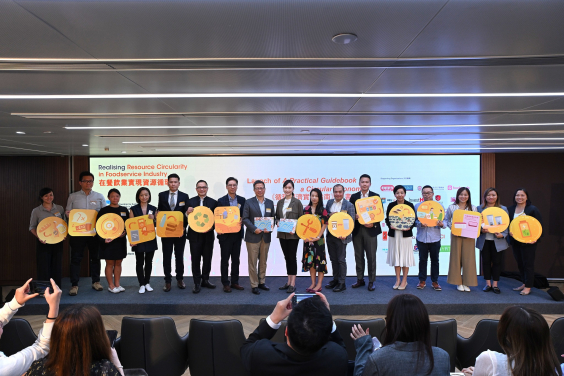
(462, 266)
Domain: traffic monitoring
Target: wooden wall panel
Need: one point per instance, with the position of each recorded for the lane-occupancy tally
(22, 178)
(488, 173)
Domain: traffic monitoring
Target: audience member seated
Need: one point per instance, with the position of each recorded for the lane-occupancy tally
(406, 346)
(524, 335)
(79, 347)
(18, 364)
(313, 344)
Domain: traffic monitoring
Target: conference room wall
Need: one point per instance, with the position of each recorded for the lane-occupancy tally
(541, 174)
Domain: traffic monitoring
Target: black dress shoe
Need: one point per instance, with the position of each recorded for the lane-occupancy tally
(226, 288)
(285, 287)
(496, 290)
(208, 284)
(340, 287)
(181, 284)
(359, 282)
(166, 287)
(236, 286)
(196, 288)
(487, 288)
(263, 286)
(371, 286)
(291, 289)
(255, 291)
(332, 284)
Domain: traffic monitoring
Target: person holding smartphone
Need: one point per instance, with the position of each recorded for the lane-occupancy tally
(49, 256)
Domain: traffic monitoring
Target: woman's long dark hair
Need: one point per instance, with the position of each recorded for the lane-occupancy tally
(525, 337)
(407, 320)
(486, 193)
(524, 191)
(288, 182)
(319, 207)
(468, 203)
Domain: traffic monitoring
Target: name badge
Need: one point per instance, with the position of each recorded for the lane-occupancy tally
(93, 203)
(150, 212)
(57, 214)
(343, 211)
(123, 214)
(239, 206)
(268, 210)
(288, 209)
(182, 203)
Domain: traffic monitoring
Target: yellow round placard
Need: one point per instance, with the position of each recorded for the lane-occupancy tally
(308, 226)
(201, 219)
(110, 226)
(52, 230)
(340, 225)
(430, 213)
(402, 217)
(495, 219)
(525, 229)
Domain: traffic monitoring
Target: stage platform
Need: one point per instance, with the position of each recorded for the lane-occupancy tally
(350, 302)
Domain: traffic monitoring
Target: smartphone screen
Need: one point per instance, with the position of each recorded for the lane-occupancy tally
(296, 299)
(39, 287)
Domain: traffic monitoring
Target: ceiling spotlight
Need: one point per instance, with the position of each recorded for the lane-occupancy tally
(123, 152)
(344, 38)
(48, 132)
(20, 132)
(84, 144)
(304, 131)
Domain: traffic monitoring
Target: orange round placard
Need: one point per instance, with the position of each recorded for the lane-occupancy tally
(110, 226)
(430, 213)
(525, 229)
(308, 226)
(340, 225)
(52, 230)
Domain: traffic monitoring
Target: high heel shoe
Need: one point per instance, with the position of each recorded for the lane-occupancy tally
(311, 291)
(314, 290)
(402, 288)
(525, 293)
(520, 288)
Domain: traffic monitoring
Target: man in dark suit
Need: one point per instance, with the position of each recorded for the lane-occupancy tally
(365, 238)
(258, 241)
(174, 200)
(201, 244)
(313, 344)
(230, 244)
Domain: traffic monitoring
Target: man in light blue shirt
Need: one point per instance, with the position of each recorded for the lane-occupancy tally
(428, 244)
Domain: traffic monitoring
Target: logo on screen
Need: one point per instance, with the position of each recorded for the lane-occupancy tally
(386, 188)
(452, 199)
(449, 187)
(437, 198)
(419, 188)
(408, 187)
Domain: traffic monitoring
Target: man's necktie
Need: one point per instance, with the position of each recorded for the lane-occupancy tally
(171, 203)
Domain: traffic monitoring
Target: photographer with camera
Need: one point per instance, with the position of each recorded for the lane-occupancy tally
(19, 363)
(313, 344)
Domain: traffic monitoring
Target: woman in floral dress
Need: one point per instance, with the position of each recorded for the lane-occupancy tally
(314, 258)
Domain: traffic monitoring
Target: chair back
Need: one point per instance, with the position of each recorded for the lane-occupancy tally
(280, 336)
(557, 334)
(17, 336)
(344, 327)
(443, 336)
(484, 338)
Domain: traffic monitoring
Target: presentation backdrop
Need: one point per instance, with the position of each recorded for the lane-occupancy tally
(445, 173)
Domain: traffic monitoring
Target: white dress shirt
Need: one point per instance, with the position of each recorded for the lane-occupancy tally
(336, 207)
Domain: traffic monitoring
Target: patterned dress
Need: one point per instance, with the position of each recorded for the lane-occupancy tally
(314, 253)
(99, 368)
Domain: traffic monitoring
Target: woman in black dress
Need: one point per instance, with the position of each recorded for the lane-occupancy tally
(114, 251)
(144, 252)
(314, 259)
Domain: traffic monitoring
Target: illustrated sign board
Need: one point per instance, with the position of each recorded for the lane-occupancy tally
(227, 219)
(430, 213)
(82, 222)
(140, 229)
(340, 225)
(169, 224)
(466, 223)
(287, 225)
(525, 229)
(308, 226)
(369, 210)
(201, 219)
(495, 219)
(264, 223)
(402, 217)
(110, 226)
(52, 230)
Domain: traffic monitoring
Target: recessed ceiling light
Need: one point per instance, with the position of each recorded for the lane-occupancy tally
(20, 132)
(84, 144)
(304, 131)
(48, 132)
(345, 38)
(123, 152)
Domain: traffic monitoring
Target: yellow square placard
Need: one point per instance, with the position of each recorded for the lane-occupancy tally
(140, 229)
(82, 222)
(369, 210)
(52, 230)
(169, 224)
(466, 223)
(227, 219)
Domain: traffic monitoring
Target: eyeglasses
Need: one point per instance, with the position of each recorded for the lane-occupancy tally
(201, 187)
(87, 181)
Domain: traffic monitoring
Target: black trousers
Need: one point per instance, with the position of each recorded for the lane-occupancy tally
(290, 250)
(175, 245)
(201, 249)
(49, 262)
(77, 245)
(491, 261)
(230, 248)
(338, 255)
(144, 266)
(427, 250)
(525, 256)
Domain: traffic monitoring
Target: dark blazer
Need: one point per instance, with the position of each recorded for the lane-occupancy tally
(529, 210)
(374, 231)
(224, 201)
(252, 210)
(181, 198)
(391, 231)
(209, 203)
(296, 212)
(261, 356)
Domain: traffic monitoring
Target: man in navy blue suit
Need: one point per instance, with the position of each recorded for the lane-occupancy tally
(231, 243)
(174, 200)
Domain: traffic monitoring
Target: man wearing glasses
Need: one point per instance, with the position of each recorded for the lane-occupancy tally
(258, 241)
(86, 198)
(201, 244)
(428, 243)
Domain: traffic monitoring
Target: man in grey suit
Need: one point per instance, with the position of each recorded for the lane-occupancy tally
(258, 241)
(337, 247)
